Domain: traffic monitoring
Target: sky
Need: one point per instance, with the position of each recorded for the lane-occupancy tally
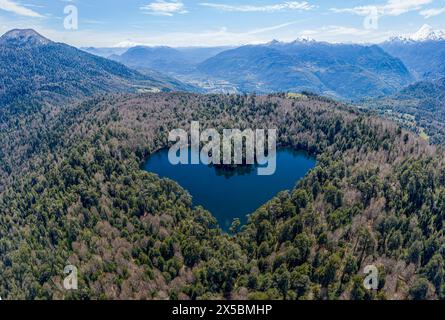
(179, 23)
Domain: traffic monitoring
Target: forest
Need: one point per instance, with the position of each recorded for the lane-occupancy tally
(73, 192)
(418, 107)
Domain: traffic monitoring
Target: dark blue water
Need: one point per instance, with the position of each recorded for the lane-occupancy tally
(233, 194)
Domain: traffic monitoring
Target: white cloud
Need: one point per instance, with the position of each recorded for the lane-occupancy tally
(335, 31)
(220, 37)
(390, 8)
(429, 13)
(283, 32)
(398, 7)
(341, 34)
(127, 44)
(11, 6)
(272, 28)
(288, 5)
(340, 30)
(215, 37)
(164, 8)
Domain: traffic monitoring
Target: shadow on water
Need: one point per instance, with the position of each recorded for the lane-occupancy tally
(235, 192)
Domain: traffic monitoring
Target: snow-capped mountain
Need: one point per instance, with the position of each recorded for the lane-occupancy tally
(428, 33)
(425, 33)
(298, 40)
(422, 52)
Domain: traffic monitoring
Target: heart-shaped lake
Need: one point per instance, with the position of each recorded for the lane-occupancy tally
(237, 193)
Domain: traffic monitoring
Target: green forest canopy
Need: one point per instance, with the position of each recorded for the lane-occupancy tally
(73, 192)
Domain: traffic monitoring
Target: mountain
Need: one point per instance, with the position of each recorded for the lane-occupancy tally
(423, 52)
(197, 55)
(261, 69)
(31, 64)
(433, 90)
(104, 52)
(423, 96)
(425, 33)
(420, 106)
(166, 59)
(23, 38)
(340, 70)
(163, 59)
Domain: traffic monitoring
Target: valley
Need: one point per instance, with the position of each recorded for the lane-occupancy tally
(302, 65)
(48, 71)
(359, 186)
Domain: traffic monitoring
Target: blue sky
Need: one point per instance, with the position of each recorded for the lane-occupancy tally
(221, 22)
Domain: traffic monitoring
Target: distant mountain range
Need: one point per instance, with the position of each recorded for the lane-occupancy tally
(338, 70)
(423, 52)
(104, 52)
(31, 64)
(425, 33)
(166, 59)
(420, 106)
(342, 71)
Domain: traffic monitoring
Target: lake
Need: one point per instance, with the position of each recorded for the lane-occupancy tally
(237, 193)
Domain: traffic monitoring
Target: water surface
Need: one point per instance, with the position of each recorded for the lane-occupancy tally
(233, 194)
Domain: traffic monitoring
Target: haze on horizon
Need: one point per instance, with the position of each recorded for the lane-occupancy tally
(180, 23)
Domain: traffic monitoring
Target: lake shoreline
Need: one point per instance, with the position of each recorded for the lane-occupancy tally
(235, 194)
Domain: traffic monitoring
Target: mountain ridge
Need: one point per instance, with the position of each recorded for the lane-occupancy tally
(36, 66)
(425, 33)
(419, 106)
(23, 37)
(332, 69)
(300, 65)
(424, 57)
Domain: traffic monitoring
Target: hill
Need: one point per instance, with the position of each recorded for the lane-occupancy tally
(162, 59)
(104, 52)
(343, 71)
(376, 197)
(174, 61)
(420, 106)
(423, 53)
(340, 70)
(31, 65)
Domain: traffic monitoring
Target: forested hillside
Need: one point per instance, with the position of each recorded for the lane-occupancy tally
(420, 106)
(425, 59)
(39, 78)
(375, 197)
(33, 67)
(346, 71)
(338, 70)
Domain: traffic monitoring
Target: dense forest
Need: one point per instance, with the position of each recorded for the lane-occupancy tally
(73, 192)
(32, 66)
(419, 107)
